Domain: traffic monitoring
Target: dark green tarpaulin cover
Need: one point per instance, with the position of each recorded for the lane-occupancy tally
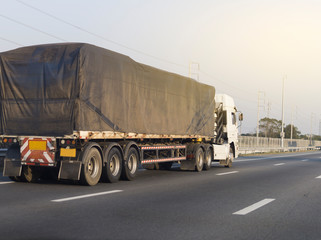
(55, 89)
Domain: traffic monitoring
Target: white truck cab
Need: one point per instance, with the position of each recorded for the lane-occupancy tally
(226, 130)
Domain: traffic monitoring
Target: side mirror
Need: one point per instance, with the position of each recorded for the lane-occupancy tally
(241, 117)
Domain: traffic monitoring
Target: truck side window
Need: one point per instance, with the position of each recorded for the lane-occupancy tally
(233, 118)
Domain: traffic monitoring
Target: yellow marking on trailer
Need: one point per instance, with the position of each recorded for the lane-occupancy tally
(39, 145)
(67, 152)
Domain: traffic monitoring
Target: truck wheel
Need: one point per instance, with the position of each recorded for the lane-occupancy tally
(30, 174)
(199, 159)
(208, 158)
(153, 166)
(92, 167)
(112, 170)
(17, 178)
(130, 165)
(230, 159)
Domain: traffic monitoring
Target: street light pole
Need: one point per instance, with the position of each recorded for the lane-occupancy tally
(282, 127)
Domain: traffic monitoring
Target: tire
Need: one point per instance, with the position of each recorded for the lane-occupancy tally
(17, 178)
(230, 159)
(91, 167)
(199, 159)
(30, 174)
(130, 165)
(207, 158)
(113, 168)
(165, 165)
(153, 166)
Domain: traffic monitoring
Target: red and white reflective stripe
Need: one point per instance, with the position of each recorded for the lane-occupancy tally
(42, 157)
(164, 160)
(163, 147)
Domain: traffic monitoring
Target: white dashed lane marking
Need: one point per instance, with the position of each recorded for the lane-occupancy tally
(6, 182)
(254, 206)
(220, 174)
(85, 196)
(279, 164)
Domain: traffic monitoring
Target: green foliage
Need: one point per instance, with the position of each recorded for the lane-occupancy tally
(271, 127)
(295, 132)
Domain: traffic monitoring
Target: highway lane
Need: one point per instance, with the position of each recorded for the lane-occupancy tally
(267, 197)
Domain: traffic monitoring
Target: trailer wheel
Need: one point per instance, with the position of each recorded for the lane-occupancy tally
(153, 166)
(31, 174)
(112, 170)
(199, 159)
(208, 158)
(92, 167)
(130, 165)
(17, 178)
(230, 159)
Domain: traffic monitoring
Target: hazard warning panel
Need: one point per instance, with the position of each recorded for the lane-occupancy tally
(38, 151)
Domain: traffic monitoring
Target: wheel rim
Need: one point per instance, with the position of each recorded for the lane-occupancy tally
(132, 163)
(114, 165)
(92, 167)
(208, 158)
(200, 159)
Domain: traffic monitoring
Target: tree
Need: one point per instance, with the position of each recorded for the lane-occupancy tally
(295, 134)
(270, 127)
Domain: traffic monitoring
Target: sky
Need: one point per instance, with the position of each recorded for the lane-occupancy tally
(244, 48)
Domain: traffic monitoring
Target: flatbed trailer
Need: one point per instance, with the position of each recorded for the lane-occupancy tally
(80, 112)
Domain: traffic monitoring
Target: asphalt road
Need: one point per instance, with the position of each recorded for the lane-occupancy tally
(267, 197)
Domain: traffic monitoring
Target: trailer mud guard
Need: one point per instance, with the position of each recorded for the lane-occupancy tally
(70, 170)
(12, 162)
(12, 168)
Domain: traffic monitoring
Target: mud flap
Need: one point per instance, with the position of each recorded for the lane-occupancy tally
(12, 168)
(188, 165)
(70, 170)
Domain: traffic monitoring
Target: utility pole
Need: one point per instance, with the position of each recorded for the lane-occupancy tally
(291, 125)
(191, 70)
(311, 138)
(268, 116)
(258, 116)
(282, 127)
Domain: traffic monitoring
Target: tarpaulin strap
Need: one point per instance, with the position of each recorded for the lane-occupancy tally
(102, 116)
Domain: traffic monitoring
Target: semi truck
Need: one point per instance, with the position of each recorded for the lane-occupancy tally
(79, 112)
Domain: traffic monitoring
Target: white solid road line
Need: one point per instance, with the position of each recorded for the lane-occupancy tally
(318, 177)
(265, 158)
(6, 182)
(253, 207)
(279, 164)
(85, 196)
(220, 174)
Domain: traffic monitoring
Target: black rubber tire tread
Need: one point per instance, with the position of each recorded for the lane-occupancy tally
(127, 173)
(30, 173)
(17, 179)
(229, 160)
(208, 153)
(199, 153)
(153, 166)
(87, 178)
(107, 174)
